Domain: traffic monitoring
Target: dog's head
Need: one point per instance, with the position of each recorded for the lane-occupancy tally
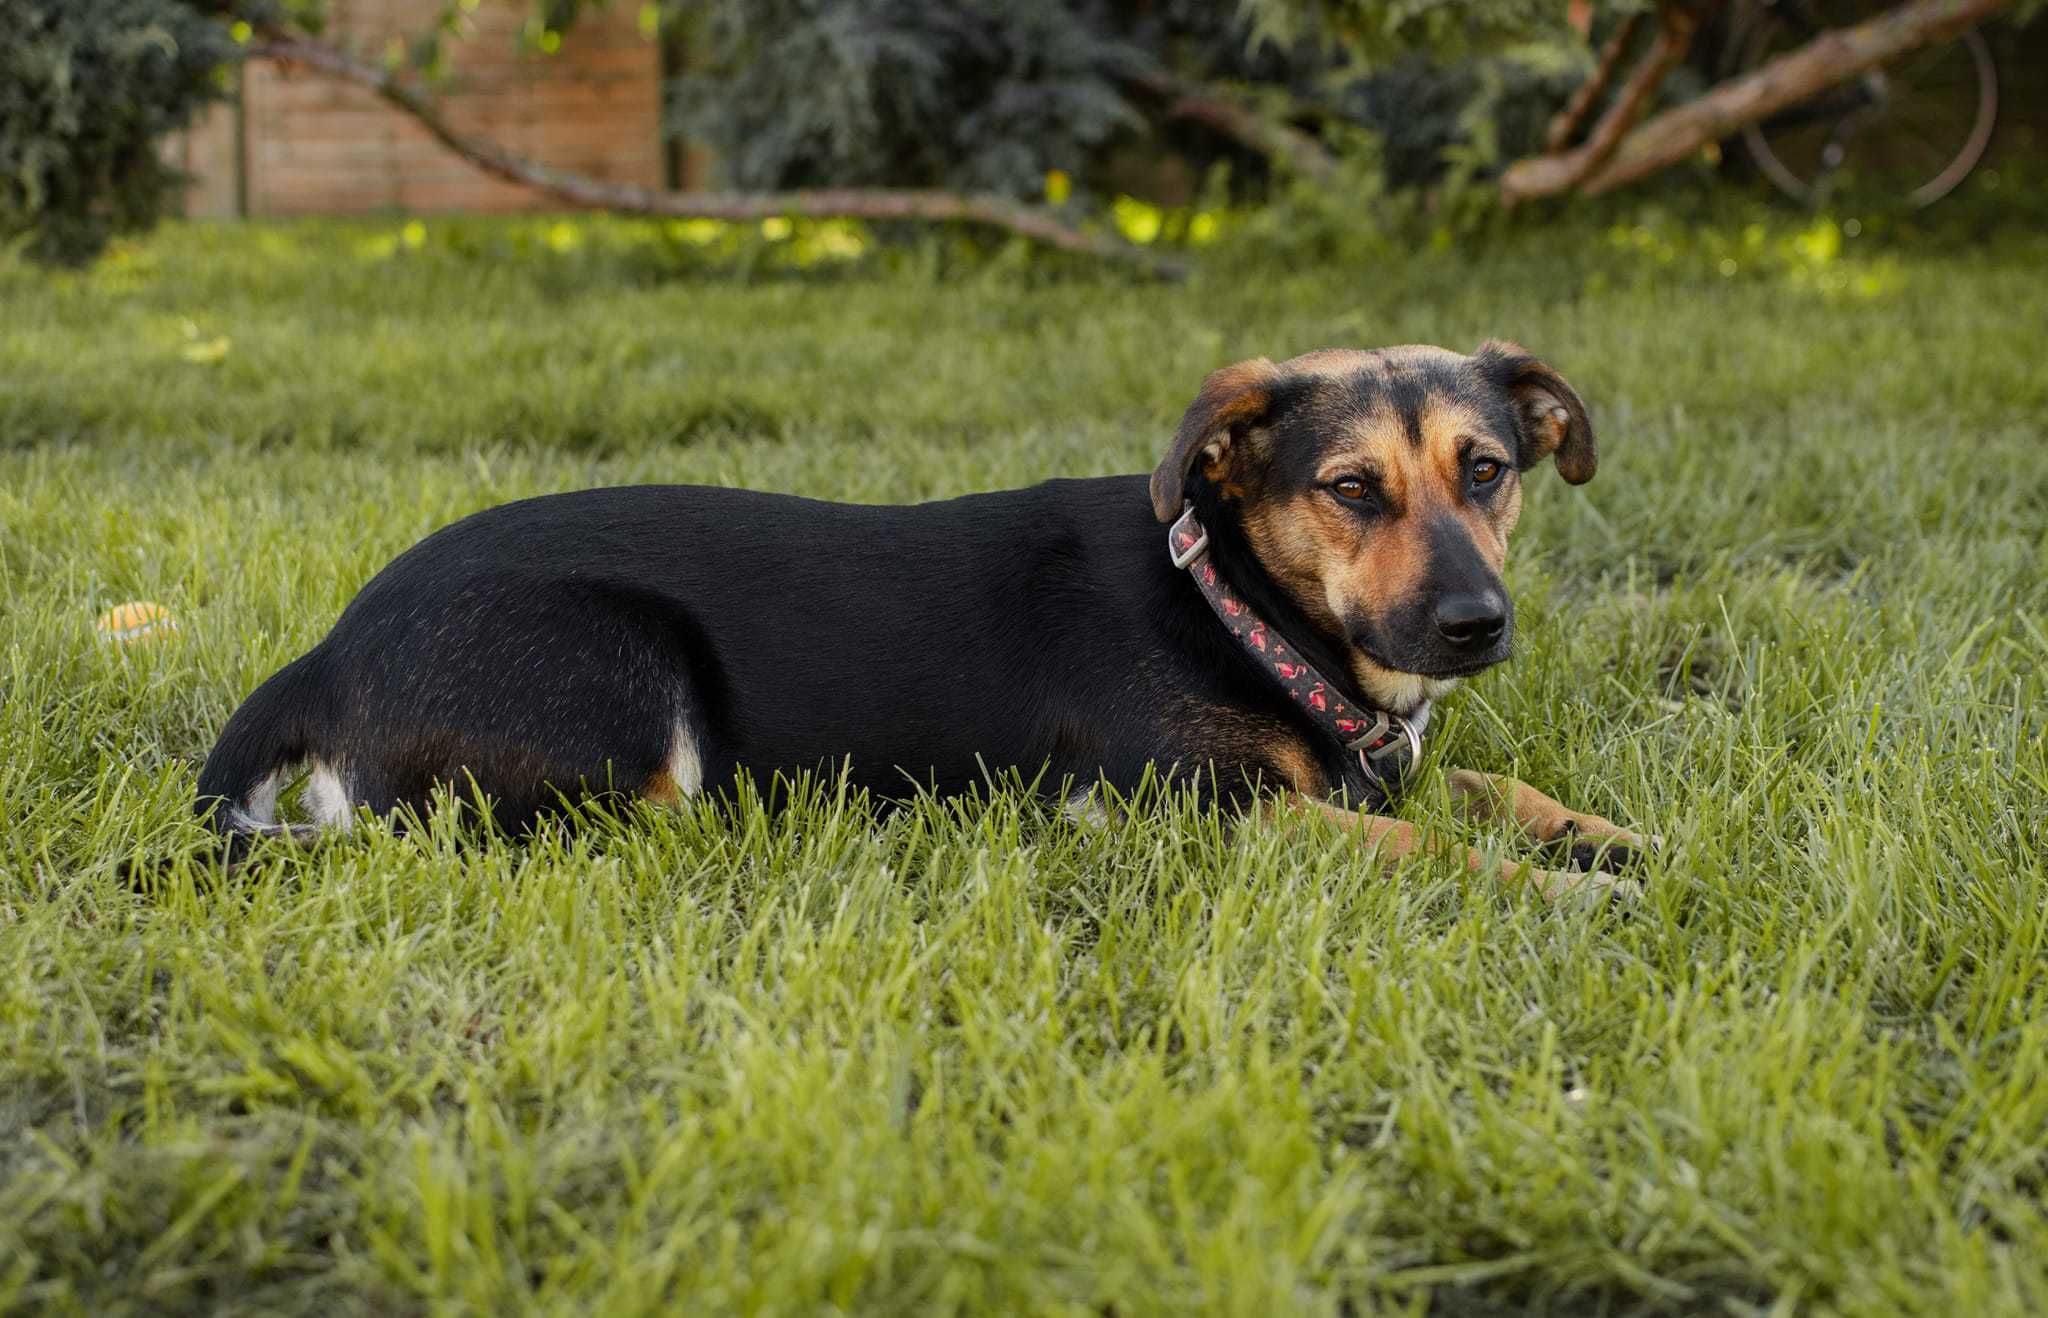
(1377, 491)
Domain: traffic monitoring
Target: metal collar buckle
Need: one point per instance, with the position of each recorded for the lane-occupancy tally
(1387, 735)
(1187, 539)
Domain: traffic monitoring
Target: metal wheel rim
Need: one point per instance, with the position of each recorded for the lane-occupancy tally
(1943, 183)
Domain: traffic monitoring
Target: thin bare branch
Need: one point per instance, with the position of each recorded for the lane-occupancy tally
(1239, 123)
(1544, 176)
(930, 204)
(1565, 125)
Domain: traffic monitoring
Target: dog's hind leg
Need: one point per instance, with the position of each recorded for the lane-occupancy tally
(1594, 842)
(267, 736)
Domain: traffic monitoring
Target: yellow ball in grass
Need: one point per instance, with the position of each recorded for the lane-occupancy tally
(135, 622)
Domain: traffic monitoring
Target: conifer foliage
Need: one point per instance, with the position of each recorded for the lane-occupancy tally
(88, 91)
(976, 95)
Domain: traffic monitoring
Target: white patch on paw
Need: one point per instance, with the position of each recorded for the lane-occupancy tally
(260, 804)
(1085, 810)
(1589, 885)
(328, 798)
(685, 763)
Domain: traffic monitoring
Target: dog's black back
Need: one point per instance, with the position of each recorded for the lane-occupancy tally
(563, 644)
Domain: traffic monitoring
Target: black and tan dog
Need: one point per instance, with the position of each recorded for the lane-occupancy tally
(1333, 566)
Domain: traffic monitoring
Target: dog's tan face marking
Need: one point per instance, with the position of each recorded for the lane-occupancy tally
(1378, 489)
(1420, 469)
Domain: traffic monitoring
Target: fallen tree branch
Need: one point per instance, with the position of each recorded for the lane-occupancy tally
(931, 204)
(1832, 57)
(1545, 176)
(1290, 146)
(1565, 125)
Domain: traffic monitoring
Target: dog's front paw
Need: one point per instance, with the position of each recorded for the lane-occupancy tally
(1619, 852)
(1563, 886)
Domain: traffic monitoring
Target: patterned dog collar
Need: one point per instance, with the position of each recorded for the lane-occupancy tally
(1388, 746)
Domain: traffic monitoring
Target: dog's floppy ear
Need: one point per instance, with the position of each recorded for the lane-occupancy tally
(1231, 400)
(1549, 416)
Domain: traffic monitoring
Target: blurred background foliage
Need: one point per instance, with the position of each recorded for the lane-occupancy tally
(979, 94)
(87, 90)
(1148, 117)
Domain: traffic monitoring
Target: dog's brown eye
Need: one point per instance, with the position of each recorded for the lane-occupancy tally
(1485, 471)
(1350, 487)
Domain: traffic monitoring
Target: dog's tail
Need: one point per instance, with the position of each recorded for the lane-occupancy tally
(264, 739)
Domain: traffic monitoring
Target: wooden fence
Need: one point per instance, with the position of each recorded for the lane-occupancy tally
(298, 143)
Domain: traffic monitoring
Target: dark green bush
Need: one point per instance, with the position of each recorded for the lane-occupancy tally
(991, 94)
(88, 91)
(978, 95)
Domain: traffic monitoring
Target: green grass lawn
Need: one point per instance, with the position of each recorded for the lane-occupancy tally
(973, 1057)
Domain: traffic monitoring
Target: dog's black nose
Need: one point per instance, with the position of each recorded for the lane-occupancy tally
(1470, 621)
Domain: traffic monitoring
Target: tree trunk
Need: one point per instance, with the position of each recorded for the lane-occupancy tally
(1032, 222)
(1829, 58)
